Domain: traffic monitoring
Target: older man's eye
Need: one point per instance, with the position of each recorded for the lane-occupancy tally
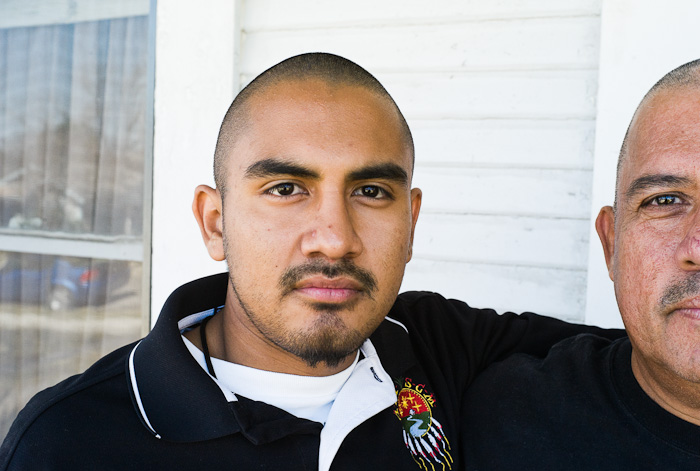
(665, 200)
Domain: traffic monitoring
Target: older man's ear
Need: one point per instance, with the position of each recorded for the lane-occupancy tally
(605, 226)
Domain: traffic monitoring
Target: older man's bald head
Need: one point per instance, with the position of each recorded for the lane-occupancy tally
(685, 76)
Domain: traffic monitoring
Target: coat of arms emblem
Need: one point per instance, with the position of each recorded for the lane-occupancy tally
(422, 433)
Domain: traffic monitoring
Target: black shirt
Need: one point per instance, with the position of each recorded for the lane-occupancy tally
(580, 408)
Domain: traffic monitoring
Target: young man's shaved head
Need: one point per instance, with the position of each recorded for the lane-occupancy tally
(314, 215)
(332, 69)
(687, 75)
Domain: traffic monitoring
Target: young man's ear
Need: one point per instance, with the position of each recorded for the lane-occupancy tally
(605, 226)
(207, 210)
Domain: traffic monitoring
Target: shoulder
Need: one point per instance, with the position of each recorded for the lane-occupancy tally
(434, 318)
(422, 306)
(573, 369)
(61, 411)
(568, 358)
(448, 332)
(414, 299)
(433, 314)
(527, 389)
(545, 410)
(427, 304)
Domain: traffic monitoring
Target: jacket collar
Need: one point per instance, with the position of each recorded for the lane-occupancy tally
(178, 401)
(175, 398)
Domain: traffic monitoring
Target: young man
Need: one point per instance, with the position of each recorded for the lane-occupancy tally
(301, 356)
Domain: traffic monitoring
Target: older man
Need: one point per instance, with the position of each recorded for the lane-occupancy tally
(632, 403)
(302, 356)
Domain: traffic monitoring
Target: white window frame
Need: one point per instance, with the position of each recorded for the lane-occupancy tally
(27, 13)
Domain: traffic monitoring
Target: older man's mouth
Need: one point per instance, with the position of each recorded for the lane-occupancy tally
(688, 309)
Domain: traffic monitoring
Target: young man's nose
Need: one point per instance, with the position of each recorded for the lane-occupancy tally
(331, 231)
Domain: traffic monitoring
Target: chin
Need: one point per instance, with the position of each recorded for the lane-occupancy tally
(687, 367)
(326, 344)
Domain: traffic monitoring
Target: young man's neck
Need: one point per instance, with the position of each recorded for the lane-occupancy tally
(230, 340)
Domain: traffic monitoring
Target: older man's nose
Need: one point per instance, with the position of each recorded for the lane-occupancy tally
(688, 251)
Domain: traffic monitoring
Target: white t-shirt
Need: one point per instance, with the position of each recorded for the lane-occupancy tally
(358, 393)
(308, 397)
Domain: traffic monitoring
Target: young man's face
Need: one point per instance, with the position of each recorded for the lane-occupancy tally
(654, 252)
(318, 218)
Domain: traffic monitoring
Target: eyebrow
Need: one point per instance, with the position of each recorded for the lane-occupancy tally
(274, 167)
(654, 181)
(386, 171)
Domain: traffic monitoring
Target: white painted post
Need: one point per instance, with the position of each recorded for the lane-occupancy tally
(194, 84)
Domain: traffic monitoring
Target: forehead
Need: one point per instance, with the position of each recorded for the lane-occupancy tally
(321, 123)
(665, 136)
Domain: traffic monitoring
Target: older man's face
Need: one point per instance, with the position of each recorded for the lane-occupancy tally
(653, 254)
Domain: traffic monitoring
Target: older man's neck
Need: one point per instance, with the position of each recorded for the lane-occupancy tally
(678, 396)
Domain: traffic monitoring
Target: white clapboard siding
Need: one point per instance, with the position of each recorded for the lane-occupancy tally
(525, 44)
(553, 292)
(512, 192)
(534, 95)
(518, 95)
(501, 98)
(504, 240)
(276, 14)
(515, 143)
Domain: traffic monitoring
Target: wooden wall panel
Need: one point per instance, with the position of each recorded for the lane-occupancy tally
(501, 97)
(504, 142)
(513, 192)
(525, 44)
(277, 14)
(502, 287)
(503, 240)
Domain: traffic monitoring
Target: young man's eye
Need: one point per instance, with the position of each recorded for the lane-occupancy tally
(371, 191)
(284, 189)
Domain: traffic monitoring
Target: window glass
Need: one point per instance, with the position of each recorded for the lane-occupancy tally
(73, 134)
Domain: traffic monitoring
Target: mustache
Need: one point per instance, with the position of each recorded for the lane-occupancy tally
(343, 267)
(680, 290)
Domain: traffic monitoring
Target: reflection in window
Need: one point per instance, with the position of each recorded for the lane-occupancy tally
(72, 108)
(73, 101)
(57, 316)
